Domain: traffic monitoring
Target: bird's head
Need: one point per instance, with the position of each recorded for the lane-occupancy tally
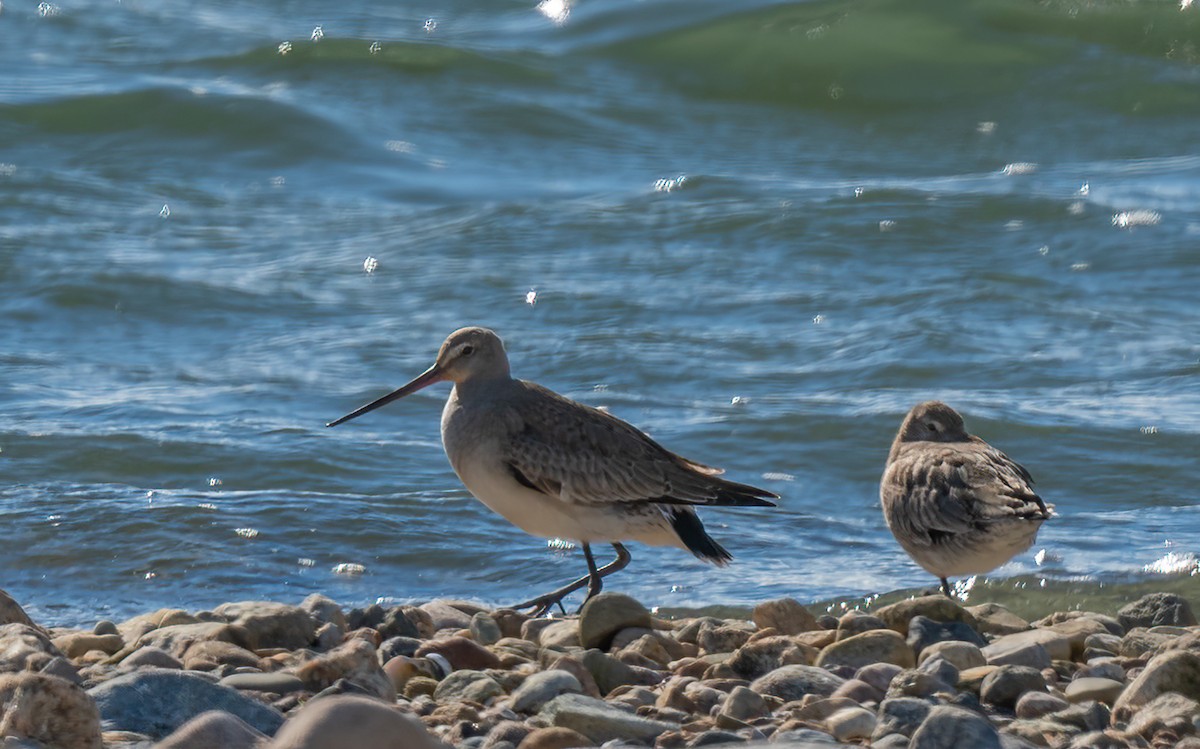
(933, 421)
(468, 354)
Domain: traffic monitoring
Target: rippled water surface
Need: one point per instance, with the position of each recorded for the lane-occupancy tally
(759, 231)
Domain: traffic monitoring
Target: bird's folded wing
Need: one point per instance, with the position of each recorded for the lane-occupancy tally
(960, 491)
(581, 454)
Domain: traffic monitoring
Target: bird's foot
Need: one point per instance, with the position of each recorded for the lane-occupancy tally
(542, 605)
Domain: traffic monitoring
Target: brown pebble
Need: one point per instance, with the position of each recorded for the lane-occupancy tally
(462, 653)
(555, 738)
(349, 721)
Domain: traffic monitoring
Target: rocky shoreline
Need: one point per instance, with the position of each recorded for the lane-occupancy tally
(923, 673)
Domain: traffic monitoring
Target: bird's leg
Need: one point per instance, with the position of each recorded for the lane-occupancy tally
(946, 588)
(592, 580)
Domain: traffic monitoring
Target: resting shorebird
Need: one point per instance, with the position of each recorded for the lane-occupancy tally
(559, 469)
(956, 504)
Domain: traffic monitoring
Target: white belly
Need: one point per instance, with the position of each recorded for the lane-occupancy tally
(471, 443)
(541, 515)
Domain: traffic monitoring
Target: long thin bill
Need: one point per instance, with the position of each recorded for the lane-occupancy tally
(426, 378)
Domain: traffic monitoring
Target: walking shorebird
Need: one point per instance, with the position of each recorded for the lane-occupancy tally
(956, 504)
(560, 469)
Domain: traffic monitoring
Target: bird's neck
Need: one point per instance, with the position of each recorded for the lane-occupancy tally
(482, 387)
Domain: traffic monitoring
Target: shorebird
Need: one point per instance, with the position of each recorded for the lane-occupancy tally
(956, 504)
(556, 468)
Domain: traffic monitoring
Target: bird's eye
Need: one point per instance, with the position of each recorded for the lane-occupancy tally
(468, 350)
(932, 426)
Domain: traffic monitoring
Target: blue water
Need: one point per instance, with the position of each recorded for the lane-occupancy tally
(759, 231)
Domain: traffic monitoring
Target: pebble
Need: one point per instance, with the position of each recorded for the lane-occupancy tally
(1005, 685)
(555, 738)
(949, 727)
(600, 721)
(540, 688)
(277, 683)
(270, 624)
(1037, 704)
(49, 710)
(785, 615)
(158, 701)
(499, 680)
(962, 655)
(900, 715)
(851, 724)
(790, 683)
(1094, 689)
(359, 722)
(875, 646)
(214, 729)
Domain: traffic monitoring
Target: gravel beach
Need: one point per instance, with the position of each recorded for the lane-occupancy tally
(923, 673)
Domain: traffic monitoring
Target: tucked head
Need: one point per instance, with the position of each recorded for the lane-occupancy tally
(468, 354)
(932, 421)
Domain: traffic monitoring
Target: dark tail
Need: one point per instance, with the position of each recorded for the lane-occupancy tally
(733, 494)
(695, 538)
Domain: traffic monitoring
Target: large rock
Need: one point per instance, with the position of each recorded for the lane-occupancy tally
(343, 721)
(1173, 671)
(606, 614)
(541, 687)
(600, 721)
(874, 646)
(902, 715)
(923, 632)
(938, 608)
(47, 709)
(851, 724)
(132, 629)
(214, 729)
(1027, 648)
(12, 613)
(1094, 689)
(468, 686)
(324, 610)
(354, 660)
(177, 638)
(270, 624)
(785, 615)
(994, 619)
(610, 673)
(764, 655)
(955, 728)
(1005, 685)
(25, 648)
(961, 655)
(158, 701)
(1077, 631)
(793, 682)
(443, 615)
(1157, 609)
(76, 644)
